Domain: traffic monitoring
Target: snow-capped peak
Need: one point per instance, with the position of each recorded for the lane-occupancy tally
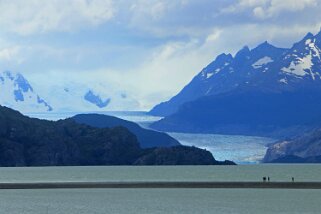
(243, 53)
(264, 46)
(315, 50)
(304, 58)
(220, 63)
(264, 68)
(17, 93)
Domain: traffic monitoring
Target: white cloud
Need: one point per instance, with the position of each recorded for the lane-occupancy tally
(251, 3)
(150, 9)
(214, 35)
(7, 54)
(34, 16)
(242, 5)
(159, 18)
(275, 7)
(153, 9)
(165, 72)
(269, 8)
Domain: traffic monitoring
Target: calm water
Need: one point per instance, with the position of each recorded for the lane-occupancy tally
(240, 149)
(159, 201)
(123, 201)
(162, 173)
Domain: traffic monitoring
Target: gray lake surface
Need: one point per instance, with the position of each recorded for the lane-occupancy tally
(241, 149)
(159, 201)
(123, 201)
(303, 172)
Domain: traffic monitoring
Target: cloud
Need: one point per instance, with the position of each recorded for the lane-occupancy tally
(38, 16)
(242, 5)
(149, 9)
(275, 7)
(10, 55)
(264, 9)
(155, 17)
(214, 35)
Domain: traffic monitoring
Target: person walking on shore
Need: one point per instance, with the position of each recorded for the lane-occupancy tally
(292, 179)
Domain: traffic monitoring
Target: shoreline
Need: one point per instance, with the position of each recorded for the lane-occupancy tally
(188, 185)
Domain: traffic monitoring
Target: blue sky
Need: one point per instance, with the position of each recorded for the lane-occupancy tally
(151, 48)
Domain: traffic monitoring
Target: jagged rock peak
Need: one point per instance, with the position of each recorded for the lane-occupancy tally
(224, 57)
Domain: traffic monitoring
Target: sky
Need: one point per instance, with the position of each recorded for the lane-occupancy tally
(149, 48)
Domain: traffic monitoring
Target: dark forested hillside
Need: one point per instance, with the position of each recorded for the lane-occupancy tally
(147, 138)
(27, 141)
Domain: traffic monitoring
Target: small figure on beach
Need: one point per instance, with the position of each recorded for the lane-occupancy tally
(292, 179)
(268, 179)
(264, 179)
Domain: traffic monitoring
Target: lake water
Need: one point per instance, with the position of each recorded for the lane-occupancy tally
(243, 149)
(159, 201)
(240, 149)
(148, 201)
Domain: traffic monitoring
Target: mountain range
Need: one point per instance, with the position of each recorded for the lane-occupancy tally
(26, 141)
(18, 93)
(258, 91)
(147, 138)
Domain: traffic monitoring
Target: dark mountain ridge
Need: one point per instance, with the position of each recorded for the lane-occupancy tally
(27, 141)
(265, 91)
(146, 138)
(254, 113)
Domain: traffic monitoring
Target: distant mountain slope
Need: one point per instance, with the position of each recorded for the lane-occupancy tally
(146, 138)
(91, 96)
(264, 68)
(17, 93)
(249, 113)
(305, 148)
(26, 141)
(259, 91)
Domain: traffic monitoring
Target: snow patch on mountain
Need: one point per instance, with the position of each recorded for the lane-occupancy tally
(263, 61)
(17, 93)
(300, 66)
(283, 80)
(90, 96)
(64, 96)
(314, 49)
(209, 74)
(220, 63)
